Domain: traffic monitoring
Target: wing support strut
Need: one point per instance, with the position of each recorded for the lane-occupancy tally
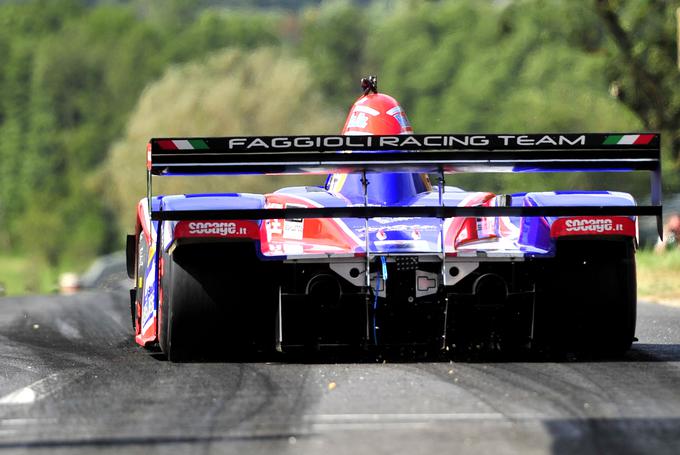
(364, 185)
(442, 236)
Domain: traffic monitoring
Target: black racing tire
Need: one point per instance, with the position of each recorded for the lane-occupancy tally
(590, 306)
(189, 314)
(214, 303)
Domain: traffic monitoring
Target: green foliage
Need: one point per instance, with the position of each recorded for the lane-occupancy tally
(23, 275)
(471, 66)
(69, 77)
(333, 39)
(641, 67)
(232, 93)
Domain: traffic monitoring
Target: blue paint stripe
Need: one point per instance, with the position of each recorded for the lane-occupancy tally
(151, 315)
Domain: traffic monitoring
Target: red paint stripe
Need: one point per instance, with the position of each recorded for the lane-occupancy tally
(644, 139)
(166, 145)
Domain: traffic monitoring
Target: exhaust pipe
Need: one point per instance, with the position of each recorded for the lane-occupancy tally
(490, 289)
(325, 289)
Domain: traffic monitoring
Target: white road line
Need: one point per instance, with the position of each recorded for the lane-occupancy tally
(363, 426)
(38, 389)
(22, 396)
(13, 422)
(399, 421)
(401, 417)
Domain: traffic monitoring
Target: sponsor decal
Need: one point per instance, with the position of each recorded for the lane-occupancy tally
(229, 229)
(149, 296)
(597, 225)
(593, 226)
(293, 229)
(400, 141)
(223, 229)
(357, 120)
(525, 140)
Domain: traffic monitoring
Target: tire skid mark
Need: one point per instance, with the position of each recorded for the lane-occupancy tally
(490, 385)
(563, 386)
(40, 389)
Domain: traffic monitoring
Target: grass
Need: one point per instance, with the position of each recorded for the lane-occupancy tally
(21, 275)
(659, 276)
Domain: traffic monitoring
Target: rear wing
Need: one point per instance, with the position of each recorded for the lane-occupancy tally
(430, 153)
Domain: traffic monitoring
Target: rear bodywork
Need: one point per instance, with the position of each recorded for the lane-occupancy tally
(392, 260)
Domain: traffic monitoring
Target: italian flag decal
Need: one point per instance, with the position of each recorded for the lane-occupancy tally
(183, 144)
(628, 139)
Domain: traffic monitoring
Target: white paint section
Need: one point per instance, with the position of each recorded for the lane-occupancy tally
(366, 110)
(293, 229)
(183, 144)
(394, 110)
(628, 139)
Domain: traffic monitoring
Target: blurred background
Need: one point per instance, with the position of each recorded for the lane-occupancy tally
(84, 84)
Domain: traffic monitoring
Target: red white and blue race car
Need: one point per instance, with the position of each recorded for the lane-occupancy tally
(379, 256)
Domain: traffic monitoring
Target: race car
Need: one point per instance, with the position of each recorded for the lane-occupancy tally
(380, 256)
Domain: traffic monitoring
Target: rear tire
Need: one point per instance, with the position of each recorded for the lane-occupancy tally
(212, 303)
(189, 314)
(591, 303)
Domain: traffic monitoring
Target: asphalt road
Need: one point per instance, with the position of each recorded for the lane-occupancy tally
(72, 381)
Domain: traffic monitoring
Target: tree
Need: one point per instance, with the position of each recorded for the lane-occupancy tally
(70, 74)
(485, 66)
(333, 40)
(642, 67)
(233, 92)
